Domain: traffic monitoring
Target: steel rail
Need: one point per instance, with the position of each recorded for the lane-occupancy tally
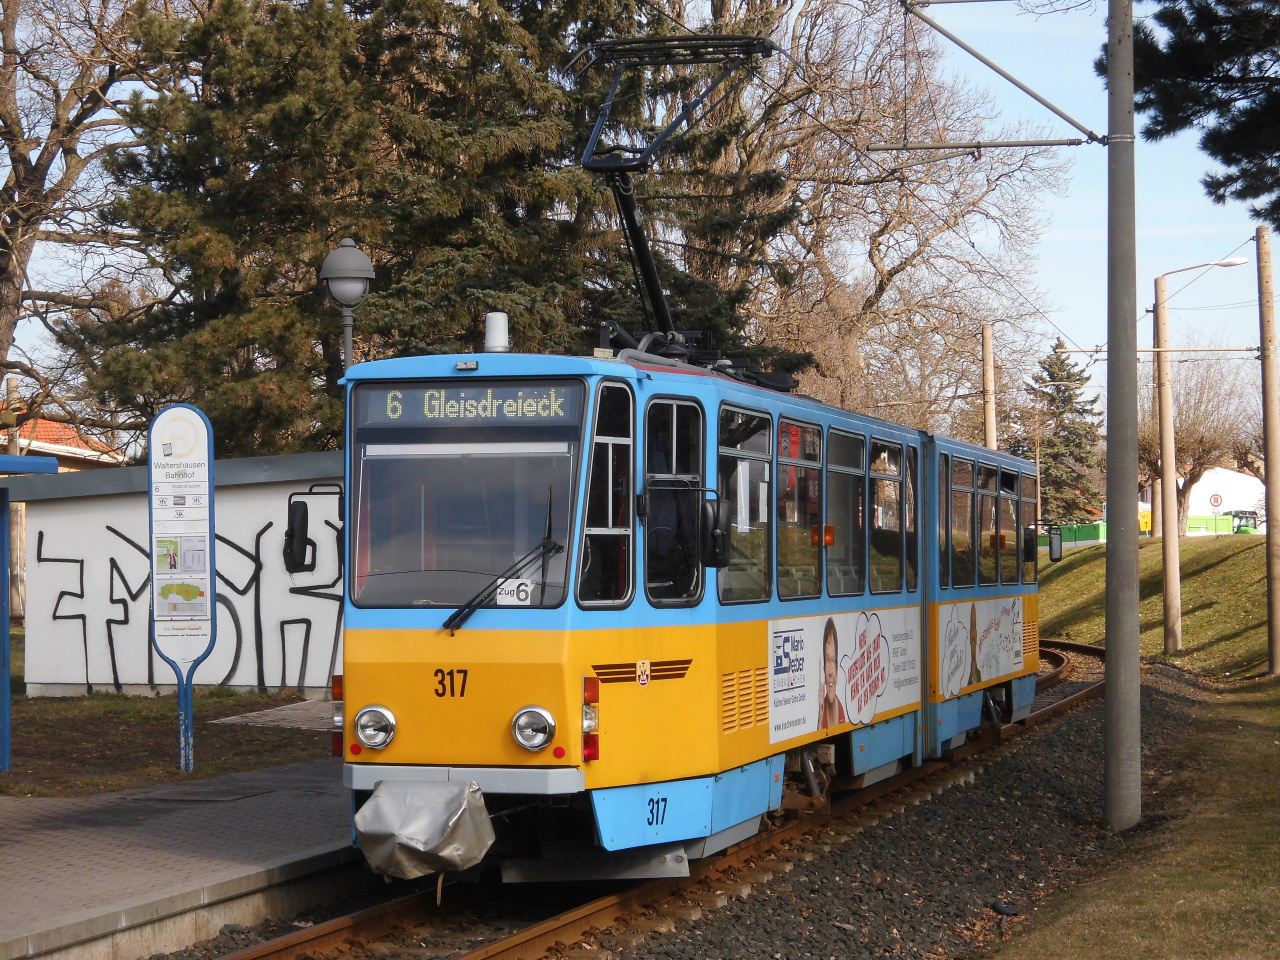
(533, 941)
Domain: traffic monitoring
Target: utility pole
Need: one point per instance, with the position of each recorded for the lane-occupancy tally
(1270, 442)
(1169, 479)
(989, 389)
(17, 517)
(1123, 764)
(1157, 519)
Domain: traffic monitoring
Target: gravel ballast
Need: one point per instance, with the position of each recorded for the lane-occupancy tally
(941, 878)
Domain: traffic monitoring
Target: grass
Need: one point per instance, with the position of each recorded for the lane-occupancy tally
(1200, 879)
(74, 746)
(1203, 884)
(1224, 602)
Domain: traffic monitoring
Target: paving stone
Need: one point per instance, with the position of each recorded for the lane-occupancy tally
(89, 856)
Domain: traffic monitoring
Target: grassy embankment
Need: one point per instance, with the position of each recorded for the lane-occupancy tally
(1202, 883)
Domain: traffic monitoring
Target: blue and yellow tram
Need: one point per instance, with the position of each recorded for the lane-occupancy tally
(640, 604)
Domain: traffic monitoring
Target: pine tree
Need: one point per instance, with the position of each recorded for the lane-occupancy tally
(256, 145)
(1066, 426)
(444, 139)
(1214, 66)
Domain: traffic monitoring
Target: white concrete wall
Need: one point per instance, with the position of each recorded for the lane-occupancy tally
(1239, 491)
(87, 602)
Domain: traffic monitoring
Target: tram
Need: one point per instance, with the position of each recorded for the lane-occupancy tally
(604, 615)
(639, 604)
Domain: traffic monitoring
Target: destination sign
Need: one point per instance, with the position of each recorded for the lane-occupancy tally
(396, 405)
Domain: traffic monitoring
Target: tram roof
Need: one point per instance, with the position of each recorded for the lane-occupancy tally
(446, 366)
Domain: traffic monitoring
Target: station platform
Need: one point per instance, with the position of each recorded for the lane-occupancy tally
(124, 875)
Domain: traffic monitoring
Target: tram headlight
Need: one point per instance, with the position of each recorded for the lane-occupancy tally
(533, 728)
(375, 727)
(590, 718)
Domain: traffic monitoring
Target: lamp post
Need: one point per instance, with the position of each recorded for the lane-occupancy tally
(346, 274)
(1169, 461)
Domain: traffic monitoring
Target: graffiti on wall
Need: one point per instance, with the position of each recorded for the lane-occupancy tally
(88, 576)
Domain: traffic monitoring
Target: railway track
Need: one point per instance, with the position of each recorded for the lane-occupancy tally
(415, 928)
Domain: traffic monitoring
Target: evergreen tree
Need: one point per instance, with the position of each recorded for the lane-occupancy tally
(1214, 65)
(1066, 426)
(445, 139)
(256, 145)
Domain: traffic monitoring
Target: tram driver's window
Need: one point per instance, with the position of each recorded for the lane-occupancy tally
(800, 530)
(886, 517)
(986, 525)
(846, 514)
(605, 578)
(673, 497)
(743, 478)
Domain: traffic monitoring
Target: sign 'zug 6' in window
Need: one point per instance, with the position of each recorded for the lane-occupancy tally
(397, 405)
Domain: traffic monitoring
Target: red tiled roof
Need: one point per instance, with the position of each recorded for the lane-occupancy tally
(64, 435)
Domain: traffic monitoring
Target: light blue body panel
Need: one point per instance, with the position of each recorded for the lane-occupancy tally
(958, 715)
(649, 813)
(1024, 691)
(884, 742)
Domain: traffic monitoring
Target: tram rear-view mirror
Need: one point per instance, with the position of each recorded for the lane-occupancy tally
(716, 516)
(1055, 544)
(296, 542)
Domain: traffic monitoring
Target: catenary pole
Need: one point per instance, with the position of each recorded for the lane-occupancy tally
(1270, 441)
(1169, 479)
(989, 389)
(1123, 765)
(1157, 519)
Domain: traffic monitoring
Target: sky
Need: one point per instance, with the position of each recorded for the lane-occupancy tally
(1177, 224)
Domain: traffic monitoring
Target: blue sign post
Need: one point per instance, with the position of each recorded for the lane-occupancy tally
(10, 464)
(183, 572)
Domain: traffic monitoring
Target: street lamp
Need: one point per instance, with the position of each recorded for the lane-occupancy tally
(1168, 461)
(346, 274)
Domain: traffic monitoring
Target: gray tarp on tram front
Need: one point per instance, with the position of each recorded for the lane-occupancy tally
(408, 829)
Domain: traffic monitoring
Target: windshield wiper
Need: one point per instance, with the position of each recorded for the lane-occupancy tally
(547, 548)
(544, 551)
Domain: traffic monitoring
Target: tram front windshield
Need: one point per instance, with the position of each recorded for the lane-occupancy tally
(453, 485)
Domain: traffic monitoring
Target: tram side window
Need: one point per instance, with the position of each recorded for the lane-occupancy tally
(743, 471)
(944, 526)
(800, 534)
(673, 495)
(606, 575)
(886, 517)
(1029, 520)
(911, 523)
(987, 558)
(846, 513)
(1008, 540)
(962, 558)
